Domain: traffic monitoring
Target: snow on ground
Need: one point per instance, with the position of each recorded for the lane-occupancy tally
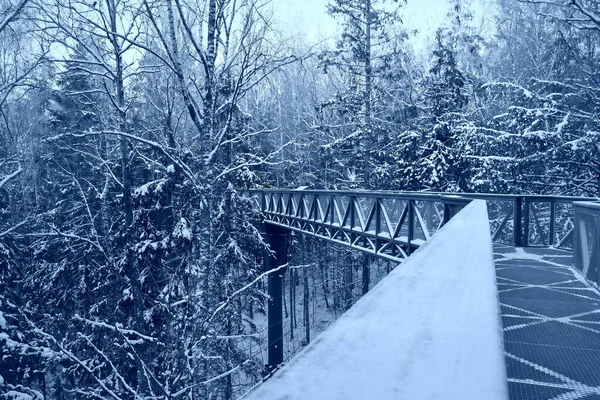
(521, 254)
(430, 330)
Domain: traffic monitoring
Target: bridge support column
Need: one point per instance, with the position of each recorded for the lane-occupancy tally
(277, 239)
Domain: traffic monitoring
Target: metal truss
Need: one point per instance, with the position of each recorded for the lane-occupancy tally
(386, 225)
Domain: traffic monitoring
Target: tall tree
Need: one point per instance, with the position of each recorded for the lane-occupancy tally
(371, 41)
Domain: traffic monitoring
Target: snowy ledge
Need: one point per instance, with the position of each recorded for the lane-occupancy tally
(431, 329)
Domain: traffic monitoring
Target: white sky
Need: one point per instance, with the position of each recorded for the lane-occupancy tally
(308, 19)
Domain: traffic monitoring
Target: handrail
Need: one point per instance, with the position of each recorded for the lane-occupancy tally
(393, 193)
(362, 193)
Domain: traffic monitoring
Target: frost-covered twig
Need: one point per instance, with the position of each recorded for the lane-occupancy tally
(115, 328)
(13, 15)
(10, 176)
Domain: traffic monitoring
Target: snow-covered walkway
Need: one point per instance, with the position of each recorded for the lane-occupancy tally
(551, 319)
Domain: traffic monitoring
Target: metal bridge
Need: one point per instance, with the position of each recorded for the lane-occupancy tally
(541, 295)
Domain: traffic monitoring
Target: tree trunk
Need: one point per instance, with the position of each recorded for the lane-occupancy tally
(131, 266)
(348, 284)
(324, 284)
(369, 141)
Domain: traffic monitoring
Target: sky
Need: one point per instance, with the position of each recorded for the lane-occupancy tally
(308, 19)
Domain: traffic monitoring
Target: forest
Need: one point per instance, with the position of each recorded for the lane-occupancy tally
(131, 263)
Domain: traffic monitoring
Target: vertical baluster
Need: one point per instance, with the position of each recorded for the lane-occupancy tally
(332, 211)
(377, 224)
(526, 206)
(517, 215)
(429, 206)
(332, 215)
(352, 218)
(411, 225)
(552, 223)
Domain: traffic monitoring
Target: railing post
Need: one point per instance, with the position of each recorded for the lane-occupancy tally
(429, 206)
(525, 239)
(377, 224)
(552, 223)
(447, 213)
(411, 225)
(273, 261)
(352, 218)
(332, 211)
(452, 205)
(331, 206)
(517, 215)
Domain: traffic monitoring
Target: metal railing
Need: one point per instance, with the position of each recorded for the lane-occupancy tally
(530, 220)
(387, 225)
(383, 223)
(586, 254)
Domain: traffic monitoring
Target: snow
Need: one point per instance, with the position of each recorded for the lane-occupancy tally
(14, 395)
(182, 230)
(145, 188)
(521, 254)
(430, 330)
(2, 321)
(562, 124)
(10, 176)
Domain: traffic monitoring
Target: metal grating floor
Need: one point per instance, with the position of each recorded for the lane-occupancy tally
(551, 320)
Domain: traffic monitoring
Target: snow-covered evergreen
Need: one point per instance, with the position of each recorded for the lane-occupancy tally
(131, 263)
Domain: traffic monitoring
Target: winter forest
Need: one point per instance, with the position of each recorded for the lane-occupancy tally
(131, 264)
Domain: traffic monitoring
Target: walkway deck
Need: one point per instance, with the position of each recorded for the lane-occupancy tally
(551, 321)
